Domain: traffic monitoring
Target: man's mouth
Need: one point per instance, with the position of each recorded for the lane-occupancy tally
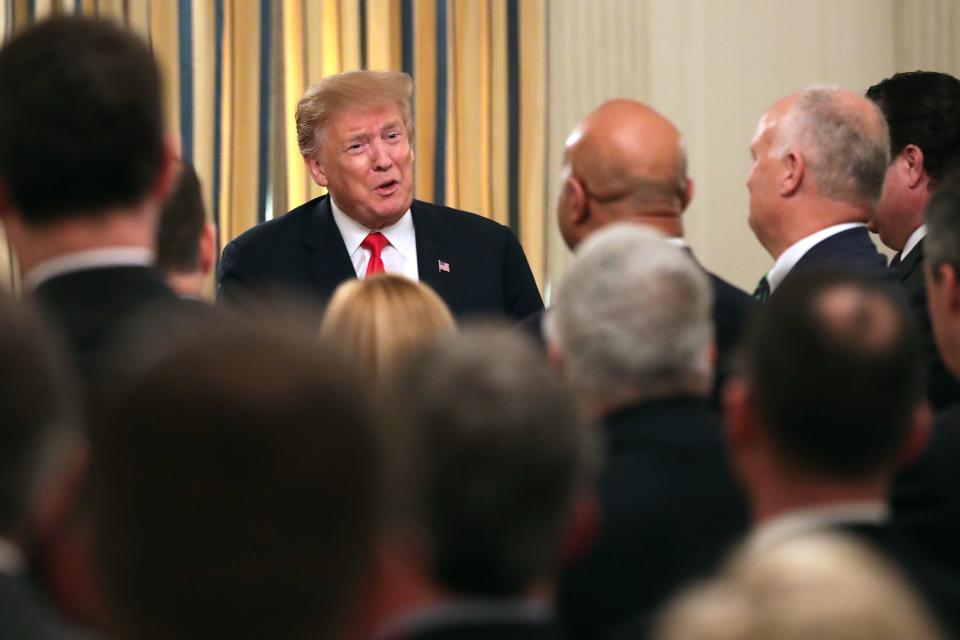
(387, 187)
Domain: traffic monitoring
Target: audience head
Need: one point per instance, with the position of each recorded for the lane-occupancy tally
(81, 126)
(623, 161)
(39, 429)
(819, 159)
(383, 320)
(922, 109)
(237, 490)
(186, 242)
(942, 269)
(501, 456)
(632, 319)
(831, 386)
(355, 132)
(819, 586)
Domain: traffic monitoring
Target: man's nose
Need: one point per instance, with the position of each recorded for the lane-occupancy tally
(379, 157)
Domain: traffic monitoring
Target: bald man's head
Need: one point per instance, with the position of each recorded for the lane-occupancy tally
(623, 161)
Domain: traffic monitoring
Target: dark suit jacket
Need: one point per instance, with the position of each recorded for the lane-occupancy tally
(939, 590)
(670, 512)
(942, 388)
(24, 613)
(926, 496)
(304, 252)
(848, 249)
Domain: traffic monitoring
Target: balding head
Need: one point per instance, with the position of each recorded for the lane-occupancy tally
(819, 159)
(623, 161)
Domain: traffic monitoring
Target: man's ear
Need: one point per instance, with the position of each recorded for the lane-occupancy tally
(208, 248)
(740, 416)
(946, 277)
(793, 176)
(576, 197)
(583, 530)
(913, 163)
(921, 427)
(316, 170)
(169, 171)
(687, 195)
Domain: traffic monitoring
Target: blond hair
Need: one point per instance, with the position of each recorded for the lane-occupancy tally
(351, 89)
(382, 320)
(818, 586)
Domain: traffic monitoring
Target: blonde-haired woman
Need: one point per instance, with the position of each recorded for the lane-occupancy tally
(381, 320)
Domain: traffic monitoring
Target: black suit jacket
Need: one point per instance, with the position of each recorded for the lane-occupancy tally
(938, 589)
(942, 388)
(926, 495)
(304, 252)
(24, 613)
(850, 249)
(670, 512)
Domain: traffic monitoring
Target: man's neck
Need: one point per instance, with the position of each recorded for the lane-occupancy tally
(807, 220)
(187, 285)
(134, 228)
(777, 499)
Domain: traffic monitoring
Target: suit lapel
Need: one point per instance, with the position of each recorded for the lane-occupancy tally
(910, 263)
(432, 251)
(325, 256)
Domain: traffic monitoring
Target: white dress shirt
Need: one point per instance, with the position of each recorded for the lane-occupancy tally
(399, 257)
(802, 521)
(914, 239)
(89, 259)
(789, 258)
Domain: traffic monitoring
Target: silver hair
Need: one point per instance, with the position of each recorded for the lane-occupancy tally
(846, 154)
(632, 319)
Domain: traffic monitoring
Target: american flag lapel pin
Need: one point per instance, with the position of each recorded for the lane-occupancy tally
(443, 266)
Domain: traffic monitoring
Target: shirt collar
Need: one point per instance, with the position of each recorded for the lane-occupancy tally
(677, 242)
(802, 521)
(467, 611)
(89, 259)
(400, 234)
(914, 239)
(789, 258)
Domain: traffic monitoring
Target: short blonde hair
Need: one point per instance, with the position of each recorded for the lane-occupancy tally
(824, 585)
(351, 89)
(382, 320)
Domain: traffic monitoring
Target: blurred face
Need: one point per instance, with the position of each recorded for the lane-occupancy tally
(365, 160)
(763, 177)
(942, 316)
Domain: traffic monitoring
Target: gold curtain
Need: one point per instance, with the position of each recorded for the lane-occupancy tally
(234, 70)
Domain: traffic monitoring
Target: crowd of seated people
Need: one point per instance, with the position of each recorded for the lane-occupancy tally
(419, 449)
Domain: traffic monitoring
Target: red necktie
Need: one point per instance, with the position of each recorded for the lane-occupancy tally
(374, 243)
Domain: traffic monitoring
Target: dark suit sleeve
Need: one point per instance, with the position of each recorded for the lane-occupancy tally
(234, 286)
(520, 289)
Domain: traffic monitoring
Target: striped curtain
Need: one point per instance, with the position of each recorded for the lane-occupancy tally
(234, 70)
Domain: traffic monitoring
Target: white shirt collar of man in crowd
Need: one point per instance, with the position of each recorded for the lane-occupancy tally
(467, 611)
(914, 239)
(789, 258)
(400, 257)
(802, 521)
(88, 259)
(12, 560)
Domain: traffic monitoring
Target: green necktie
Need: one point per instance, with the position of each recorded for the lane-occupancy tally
(762, 292)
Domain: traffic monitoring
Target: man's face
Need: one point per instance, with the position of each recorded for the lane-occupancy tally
(365, 160)
(763, 177)
(941, 316)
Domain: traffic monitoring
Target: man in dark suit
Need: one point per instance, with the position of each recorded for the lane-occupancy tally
(354, 133)
(927, 494)
(819, 157)
(39, 443)
(492, 463)
(830, 404)
(922, 110)
(84, 178)
(84, 170)
(627, 163)
(630, 328)
(186, 242)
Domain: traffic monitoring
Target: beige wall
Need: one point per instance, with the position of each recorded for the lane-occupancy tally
(713, 67)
